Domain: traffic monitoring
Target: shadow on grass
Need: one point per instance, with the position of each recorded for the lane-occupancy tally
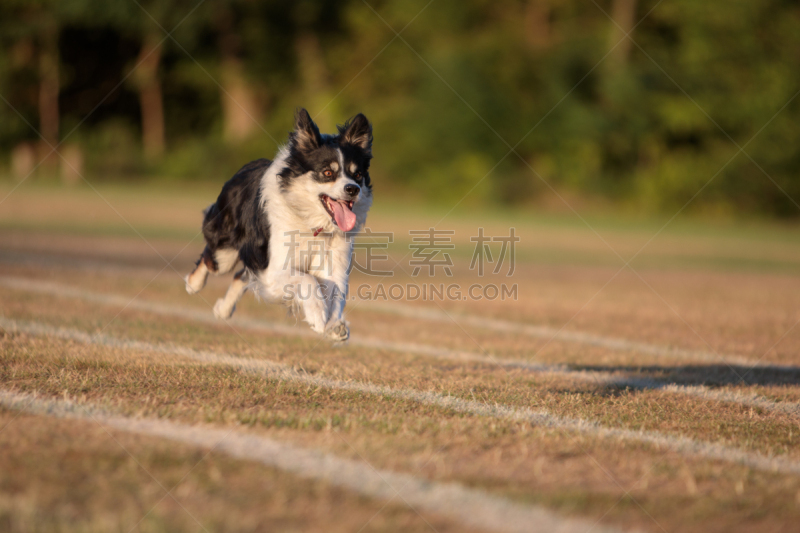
(655, 376)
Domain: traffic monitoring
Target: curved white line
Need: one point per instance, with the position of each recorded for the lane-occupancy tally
(471, 507)
(539, 418)
(596, 377)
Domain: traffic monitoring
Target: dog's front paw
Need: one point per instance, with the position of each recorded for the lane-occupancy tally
(222, 310)
(338, 332)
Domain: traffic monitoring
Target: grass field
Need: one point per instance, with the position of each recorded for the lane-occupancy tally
(644, 379)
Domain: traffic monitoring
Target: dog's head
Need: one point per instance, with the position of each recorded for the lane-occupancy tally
(326, 178)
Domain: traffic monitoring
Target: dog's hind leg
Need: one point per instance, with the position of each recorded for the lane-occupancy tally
(225, 307)
(225, 260)
(196, 279)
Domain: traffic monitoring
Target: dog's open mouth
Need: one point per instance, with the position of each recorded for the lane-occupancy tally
(340, 211)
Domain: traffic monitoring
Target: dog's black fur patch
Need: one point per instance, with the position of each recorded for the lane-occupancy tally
(237, 220)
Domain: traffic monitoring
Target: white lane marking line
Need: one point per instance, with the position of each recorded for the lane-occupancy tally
(270, 369)
(548, 333)
(79, 263)
(544, 332)
(67, 291)
(600, 378)
(471, 507)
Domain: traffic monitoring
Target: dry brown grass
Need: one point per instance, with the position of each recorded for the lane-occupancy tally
(727, 293)
(646, 410)
(571, 473)
(67, 475)
(726, 313)
(167, 287)
(738, 425)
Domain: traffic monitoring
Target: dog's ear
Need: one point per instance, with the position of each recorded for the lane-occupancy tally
(305, 136)
(358, 132)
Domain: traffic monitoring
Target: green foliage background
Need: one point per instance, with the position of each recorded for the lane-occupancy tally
(462, 84)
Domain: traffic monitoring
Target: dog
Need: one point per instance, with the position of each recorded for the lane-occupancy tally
(291, 223)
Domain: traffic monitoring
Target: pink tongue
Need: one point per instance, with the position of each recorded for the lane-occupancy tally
(345, 219)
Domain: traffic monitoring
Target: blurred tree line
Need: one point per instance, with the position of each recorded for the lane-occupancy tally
(192, 89)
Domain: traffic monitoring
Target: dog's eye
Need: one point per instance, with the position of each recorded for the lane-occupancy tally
(357, 175)
(328, 173)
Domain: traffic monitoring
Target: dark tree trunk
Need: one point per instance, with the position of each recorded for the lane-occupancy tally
(48, 95)
(150, 97)
(314, 76)
(241, 111)
(623, 12)
(537, 24)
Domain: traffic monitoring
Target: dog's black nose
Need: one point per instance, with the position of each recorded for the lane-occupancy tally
(351, 189)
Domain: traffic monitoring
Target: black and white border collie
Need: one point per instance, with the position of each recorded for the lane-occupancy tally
(291, 222)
